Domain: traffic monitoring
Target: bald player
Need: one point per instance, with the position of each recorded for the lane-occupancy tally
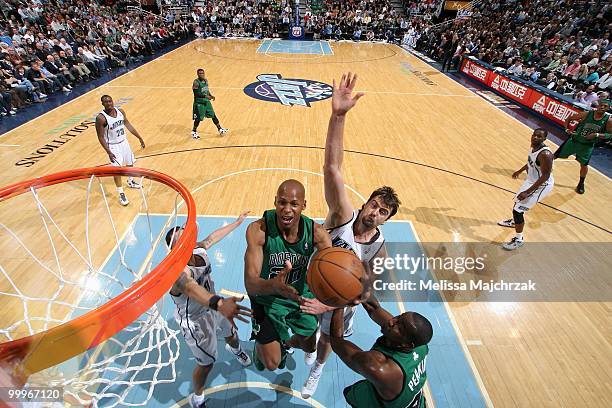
(279, 246)
(394, 369)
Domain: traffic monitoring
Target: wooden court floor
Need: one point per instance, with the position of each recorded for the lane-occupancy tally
(447, 152)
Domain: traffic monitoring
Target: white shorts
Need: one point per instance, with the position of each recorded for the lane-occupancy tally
(349, 316)
(201, 334)
(123, 154)
(534, 198)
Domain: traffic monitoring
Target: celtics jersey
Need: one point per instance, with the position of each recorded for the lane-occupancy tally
(277, 251)
(363, 394)
(203, 90)
(590, 125)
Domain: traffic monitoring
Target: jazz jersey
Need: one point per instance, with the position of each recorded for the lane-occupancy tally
(185, 307)
(114, 131)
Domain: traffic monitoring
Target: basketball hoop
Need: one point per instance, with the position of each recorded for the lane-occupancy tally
(137, 303)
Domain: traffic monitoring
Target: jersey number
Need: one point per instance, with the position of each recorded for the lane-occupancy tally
(294, 274)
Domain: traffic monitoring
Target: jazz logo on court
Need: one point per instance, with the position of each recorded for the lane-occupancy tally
(288, 91)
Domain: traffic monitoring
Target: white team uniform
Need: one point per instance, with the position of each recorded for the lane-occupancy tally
(343, 236)
(200, 324)
(533, 174)
(115, 137)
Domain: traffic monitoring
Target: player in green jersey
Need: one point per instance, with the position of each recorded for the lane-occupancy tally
(593, 125)
(279, 246)
(202, 105)
(394, 369)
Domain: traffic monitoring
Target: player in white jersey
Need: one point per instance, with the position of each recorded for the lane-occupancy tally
(539, 183)
(201, 313)
(110, 127)
(348, 228)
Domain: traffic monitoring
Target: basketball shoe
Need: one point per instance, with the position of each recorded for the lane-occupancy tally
(195, 135)
(514, 243)
(196, 401)
(223, 131)
(131, 183)
(123, 199)
(506, 223)
(241, 356)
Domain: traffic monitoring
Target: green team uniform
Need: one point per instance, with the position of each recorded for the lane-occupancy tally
(202, 107)
(578, 144)
(284, 314)
(362, 394)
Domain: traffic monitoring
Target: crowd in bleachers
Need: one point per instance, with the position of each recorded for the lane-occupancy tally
(51, 47)
(242, 18)
(563, 45)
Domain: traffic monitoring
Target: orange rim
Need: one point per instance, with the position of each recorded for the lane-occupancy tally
(42, 350)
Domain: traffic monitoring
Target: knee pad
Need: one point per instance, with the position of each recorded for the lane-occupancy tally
(518, 217)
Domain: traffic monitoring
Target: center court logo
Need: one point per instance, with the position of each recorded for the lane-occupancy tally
(288, 91)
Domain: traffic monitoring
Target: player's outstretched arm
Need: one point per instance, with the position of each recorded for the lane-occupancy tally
(228, 307)
(253, 259)
(340, 208)
(373, 365)
(100, 124)
(132, 129)
(218, 234)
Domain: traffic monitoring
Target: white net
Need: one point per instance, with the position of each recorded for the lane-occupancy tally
(81, 259)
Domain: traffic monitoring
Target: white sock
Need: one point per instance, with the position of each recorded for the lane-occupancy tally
(317, 368)
(198, 399)
(519, 236)
(120, 190)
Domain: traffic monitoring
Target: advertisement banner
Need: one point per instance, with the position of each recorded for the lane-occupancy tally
(551, 108)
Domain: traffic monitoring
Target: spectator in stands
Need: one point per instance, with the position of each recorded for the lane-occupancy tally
(588, 97)
(516, 68)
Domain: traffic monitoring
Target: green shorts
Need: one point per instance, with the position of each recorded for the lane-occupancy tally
(203, 110)
(583, 152)
(273, 322)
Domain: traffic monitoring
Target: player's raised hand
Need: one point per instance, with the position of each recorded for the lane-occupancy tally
(343, 99)
(280, 284)
(243, 215)
(230, 308)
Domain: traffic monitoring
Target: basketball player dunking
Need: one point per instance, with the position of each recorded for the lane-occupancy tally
(201, 313)
(356, 230)
(537, 186)
(202, 105)
(110, 127)
(279, 246)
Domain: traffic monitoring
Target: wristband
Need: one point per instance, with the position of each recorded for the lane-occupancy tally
(213, 302)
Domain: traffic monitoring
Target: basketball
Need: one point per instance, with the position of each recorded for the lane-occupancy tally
(334, 276)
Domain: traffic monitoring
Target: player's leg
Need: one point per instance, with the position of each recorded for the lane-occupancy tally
(324, 349)
(197, 117)
(200, 336)
(519, 210)
(268, 352)
(129, 160)
(584, 169)
(210, 113)
(118, 162)
(232, 342)
(199, 377)
(583, 156)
